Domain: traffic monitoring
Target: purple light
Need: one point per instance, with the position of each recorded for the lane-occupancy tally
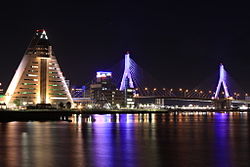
(127, 74)
(222, 81)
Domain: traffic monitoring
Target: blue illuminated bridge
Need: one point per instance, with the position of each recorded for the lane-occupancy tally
(134, 77)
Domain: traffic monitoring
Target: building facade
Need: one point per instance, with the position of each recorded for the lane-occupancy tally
(104, 93)
(38, 79)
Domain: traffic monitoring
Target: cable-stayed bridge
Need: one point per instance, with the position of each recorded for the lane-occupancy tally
(146, 87)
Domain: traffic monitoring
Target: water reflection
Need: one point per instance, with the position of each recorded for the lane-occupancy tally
(117, 118)
(154, 118)
(173, 139)
(221, 140)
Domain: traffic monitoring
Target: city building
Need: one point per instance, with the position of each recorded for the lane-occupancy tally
(104, 93)
(38, 79)
(129, 93)
(129, 97)
(1, 89)
(78, 91)
(81, 96)
(2, 102)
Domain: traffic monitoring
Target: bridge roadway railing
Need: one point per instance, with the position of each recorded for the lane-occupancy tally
(176, 98)
(191, 99)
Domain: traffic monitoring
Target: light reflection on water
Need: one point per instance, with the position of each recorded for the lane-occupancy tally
(173, 139)
(116, 118)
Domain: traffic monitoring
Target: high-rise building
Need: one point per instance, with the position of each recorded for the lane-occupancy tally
(38, 79)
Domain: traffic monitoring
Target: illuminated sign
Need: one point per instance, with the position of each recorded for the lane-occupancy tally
(103, 74)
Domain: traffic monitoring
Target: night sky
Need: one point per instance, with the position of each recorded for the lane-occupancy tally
(180, 43)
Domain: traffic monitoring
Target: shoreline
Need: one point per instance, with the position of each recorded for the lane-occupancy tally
(57, 115)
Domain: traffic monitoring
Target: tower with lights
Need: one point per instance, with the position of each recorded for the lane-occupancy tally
(222, 81)
(127, 74)
(226, 101)
(127, 84)
(38, 78)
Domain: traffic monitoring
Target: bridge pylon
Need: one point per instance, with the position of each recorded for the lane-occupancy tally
(127, 81)
(222, 81)
(222, 103)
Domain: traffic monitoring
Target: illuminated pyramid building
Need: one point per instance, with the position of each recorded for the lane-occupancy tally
(38, 79)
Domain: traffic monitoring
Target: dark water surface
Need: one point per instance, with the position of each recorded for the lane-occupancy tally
(181, 139)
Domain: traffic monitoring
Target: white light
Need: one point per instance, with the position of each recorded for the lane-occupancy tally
(103, 74)
(43, 35)
(58, 98)
(243, 107)
(32, 75)
(129, 90)
(128, 99)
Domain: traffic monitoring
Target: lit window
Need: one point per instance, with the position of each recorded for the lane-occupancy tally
(54, 85)
(29, 84)
(32, 75)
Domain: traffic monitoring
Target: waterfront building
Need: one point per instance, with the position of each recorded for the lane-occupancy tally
(81, 96)
(129, 93)
(1, 89)
(38, 78)
(2, 103)
(104, 93)
(129, 97)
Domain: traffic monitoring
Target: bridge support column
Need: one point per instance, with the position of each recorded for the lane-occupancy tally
(222, 104)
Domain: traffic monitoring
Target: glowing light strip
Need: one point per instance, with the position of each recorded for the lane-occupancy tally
(222, 81)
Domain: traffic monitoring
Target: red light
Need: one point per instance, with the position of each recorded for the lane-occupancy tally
(40, 30)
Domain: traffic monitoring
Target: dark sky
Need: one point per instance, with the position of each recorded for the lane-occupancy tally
(180, 43)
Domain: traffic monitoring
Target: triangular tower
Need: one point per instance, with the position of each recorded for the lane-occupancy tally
(222, 81)
(38, 79)
(127, 75)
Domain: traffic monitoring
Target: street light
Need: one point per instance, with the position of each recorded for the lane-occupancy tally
(200, 93)
(185, 92)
